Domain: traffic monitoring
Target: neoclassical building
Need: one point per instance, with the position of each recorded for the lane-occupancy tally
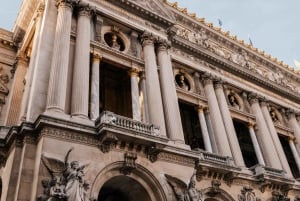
(139, 100)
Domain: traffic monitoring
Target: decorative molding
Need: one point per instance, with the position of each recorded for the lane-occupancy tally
(108, 142)
(129, 163)
(247, 194)
(278, 196)
(215, 188)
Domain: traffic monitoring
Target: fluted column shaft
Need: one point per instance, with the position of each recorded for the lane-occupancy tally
(95, 88)
(144, 104)
(228, 123)
(294, 151)
(169, 96)
(81, 73)
(156, 113)
(295, 126)
(17, 92)
(257, 150)
(134, 78)
(275, 138)
(59, 66)
(216, 118)
(264, 137)
(204, 130)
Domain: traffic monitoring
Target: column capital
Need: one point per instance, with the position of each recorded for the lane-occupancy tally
(84, 9)
(253, 98)
(65, 3)
(207, 78)
(201, 108)
(134, 72)
(290, 113)
(97, 57)
(147, 38)
(292, 138)
(264, 102)
(162, 44)
(218, 83)
(251, 124)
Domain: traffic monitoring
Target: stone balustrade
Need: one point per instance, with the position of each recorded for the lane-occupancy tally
(109, 118)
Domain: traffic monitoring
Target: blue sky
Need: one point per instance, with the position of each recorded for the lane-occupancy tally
(273, 25)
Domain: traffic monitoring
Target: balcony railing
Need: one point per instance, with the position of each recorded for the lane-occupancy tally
(110, 118)
(211, 157)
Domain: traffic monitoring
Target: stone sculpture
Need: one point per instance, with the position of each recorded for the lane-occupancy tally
(67, 182)
(185, 192)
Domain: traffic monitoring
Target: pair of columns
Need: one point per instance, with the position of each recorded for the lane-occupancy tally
(161, 91)
(60, 61)
(267, 136)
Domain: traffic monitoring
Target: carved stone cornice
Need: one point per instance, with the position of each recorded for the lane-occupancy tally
(147, 38)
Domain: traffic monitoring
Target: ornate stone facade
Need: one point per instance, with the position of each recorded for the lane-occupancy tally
(141, 100)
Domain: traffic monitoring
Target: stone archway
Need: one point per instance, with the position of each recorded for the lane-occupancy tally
(140, 178)
(123, 188)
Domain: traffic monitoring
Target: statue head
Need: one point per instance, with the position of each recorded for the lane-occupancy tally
(75, 164)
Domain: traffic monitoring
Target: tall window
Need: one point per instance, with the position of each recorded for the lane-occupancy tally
(115, 94)
(289, 155)
(191, 126)
(245, 142)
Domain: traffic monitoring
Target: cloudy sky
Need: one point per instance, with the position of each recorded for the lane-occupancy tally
(273, 25)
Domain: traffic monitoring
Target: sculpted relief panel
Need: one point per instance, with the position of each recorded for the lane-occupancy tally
(241, 57)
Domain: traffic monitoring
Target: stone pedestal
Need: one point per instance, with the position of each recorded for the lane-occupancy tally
(156, 112)
(81, 73)
(59, 66)
(169, 96)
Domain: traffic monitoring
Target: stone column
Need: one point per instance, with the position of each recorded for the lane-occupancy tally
(216, 118)
(134, 79)
(17, 91)
(156, 112)
(264, 137)
(294, 151)
(204, 130)
(229, 127)
(275, 138)
(60, 59)
(81, 73)
(255, 144)
(293, 123)
(95, 87)
(210, 131)
(169, 95)
(144, 104)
